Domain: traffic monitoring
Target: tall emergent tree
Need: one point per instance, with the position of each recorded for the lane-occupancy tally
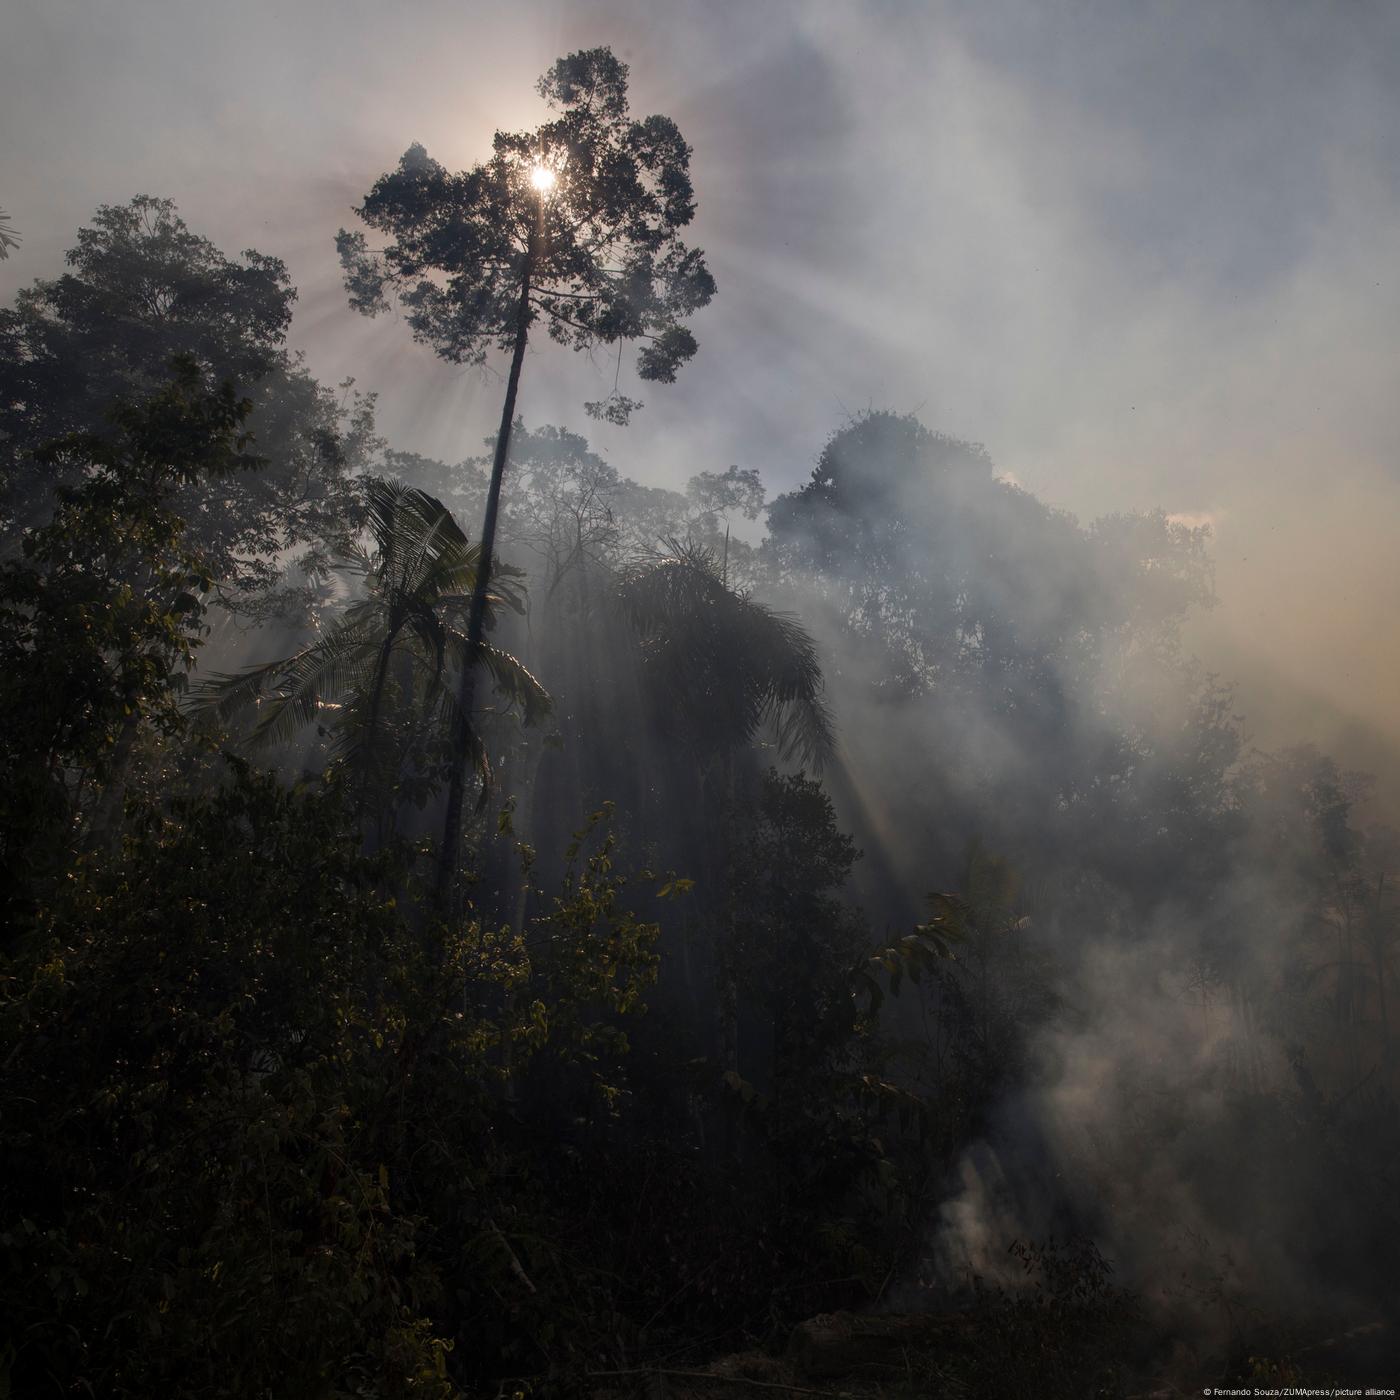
(576, 223)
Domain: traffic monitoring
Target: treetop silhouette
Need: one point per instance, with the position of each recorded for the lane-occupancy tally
(576, 222)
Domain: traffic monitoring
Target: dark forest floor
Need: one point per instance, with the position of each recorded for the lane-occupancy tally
(975, 1355)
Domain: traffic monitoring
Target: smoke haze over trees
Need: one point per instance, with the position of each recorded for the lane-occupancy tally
(881, 948)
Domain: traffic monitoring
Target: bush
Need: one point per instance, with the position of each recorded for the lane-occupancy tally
(256, 1133)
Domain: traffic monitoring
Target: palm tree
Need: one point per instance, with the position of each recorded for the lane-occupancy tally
(723, 664)
(722, 667)
(403, 636)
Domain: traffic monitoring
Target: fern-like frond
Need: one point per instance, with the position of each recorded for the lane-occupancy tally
(724, 662)
(9, 236)
(512, 679)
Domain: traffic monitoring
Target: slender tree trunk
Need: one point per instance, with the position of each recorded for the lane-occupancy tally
(449, 856)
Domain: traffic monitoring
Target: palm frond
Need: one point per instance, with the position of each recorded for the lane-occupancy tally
(419, 574)
(223, 696)
(511, 677)
(448, 711)
(792, 688)
(339, 664)
(803, 729)
(423, 623)
(291, 691)
(724, 662)
(414, 532)
(9, 236)
(517, 684)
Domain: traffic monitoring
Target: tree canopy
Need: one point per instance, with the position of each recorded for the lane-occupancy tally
(141, 288)
(598, 249)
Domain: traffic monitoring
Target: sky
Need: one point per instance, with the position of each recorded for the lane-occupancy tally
(1145, 252)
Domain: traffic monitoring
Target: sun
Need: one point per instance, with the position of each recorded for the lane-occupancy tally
(542, 178)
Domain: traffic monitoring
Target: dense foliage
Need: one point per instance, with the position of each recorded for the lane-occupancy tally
(599, 260)
(883, 913)
(141, 287)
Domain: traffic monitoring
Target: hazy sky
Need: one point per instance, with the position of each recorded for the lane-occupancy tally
(1149, 254)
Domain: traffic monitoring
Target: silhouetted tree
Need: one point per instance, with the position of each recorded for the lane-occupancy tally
(418, 580)
(794, 939)
(142, 287)
(101, 615)
(719, 666)
(1037, 663)
(577, 222)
